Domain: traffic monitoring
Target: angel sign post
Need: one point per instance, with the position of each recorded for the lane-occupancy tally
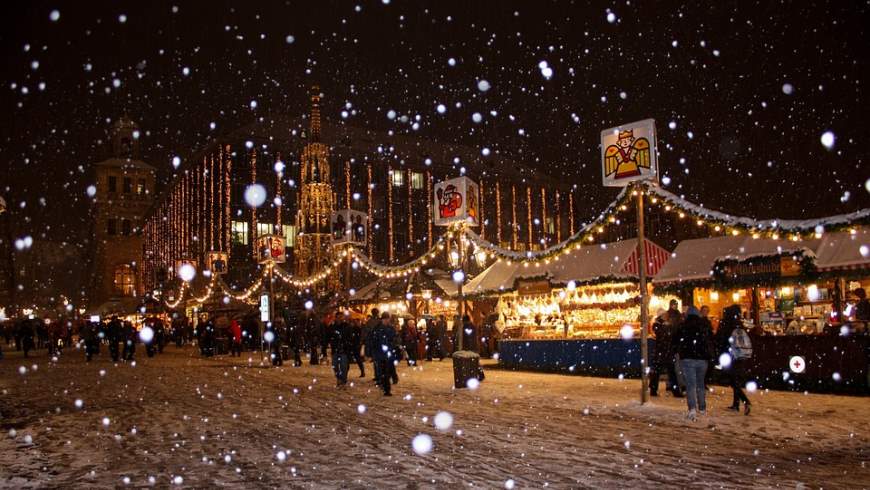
(628, 154)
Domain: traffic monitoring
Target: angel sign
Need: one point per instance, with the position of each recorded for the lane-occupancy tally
(628, 153)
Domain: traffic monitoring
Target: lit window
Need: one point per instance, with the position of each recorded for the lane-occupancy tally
(240, 232)
(289, 236)
(417, 180)
(125, 280)
(398, 178)
(265, 229)
(140, 189)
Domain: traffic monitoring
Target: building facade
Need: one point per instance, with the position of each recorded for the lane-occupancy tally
(311, 167)
(124, 195)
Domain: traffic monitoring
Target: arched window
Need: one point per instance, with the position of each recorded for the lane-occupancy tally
(125, 280)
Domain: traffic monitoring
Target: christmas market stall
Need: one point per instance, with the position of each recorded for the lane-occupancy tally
(424, 293)
(579, 312)
(795, 296)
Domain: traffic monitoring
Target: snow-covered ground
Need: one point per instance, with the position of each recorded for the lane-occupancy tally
(228, 422)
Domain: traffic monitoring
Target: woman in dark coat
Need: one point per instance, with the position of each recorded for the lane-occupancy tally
(694, 342)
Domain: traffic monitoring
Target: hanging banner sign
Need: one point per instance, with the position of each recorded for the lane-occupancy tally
(270, 248)
(349, 226)
(457, 200)
(628, 153)
(217, 262)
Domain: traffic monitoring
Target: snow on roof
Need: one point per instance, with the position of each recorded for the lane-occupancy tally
(593, 261)
(780, 224)
(497, 277)
(694, 259)
(586, 264)
(843, 250)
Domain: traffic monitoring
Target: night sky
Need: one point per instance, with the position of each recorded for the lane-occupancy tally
(741, 94)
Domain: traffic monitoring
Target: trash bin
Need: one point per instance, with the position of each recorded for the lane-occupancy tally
(466, 365)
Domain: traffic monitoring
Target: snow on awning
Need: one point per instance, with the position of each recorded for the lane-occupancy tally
(497, 277)
(842, 250)
(694, 259)
(589, 263)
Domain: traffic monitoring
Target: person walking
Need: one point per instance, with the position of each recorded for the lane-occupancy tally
(88, 334)
(313, 336)
(409, 340)
(129, 339)
(114, 334)
(276, 341)
(733, 340)
(235, 338)
(368, 341)
(295, 335)
(338, 334)
(159, 334)
(383, 351)
(694, 344)
(354, 343)
(663, 361)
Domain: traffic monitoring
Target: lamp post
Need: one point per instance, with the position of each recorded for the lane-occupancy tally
(459, 278)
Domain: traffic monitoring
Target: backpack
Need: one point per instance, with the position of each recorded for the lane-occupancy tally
(741, 344)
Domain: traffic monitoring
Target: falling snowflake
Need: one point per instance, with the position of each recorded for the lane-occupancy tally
(255, 195)
(422, 444)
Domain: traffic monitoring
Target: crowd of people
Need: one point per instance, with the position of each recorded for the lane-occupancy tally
(685, 348)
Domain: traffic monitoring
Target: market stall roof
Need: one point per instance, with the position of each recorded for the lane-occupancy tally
(842, 250)
(117, 306)
(395, 288)
(694, 259)
(617, 260)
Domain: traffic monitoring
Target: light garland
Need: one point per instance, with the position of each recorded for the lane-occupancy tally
(253, 168)
(529, 214)
(429, 214)
(558, 218)
(586, 233)
(410, 210)
(481, 208)
(280, 201)
(403, 270)
(571, 211)
(544, 215)
(719, 222)
(390, 256)
(498, 212)
(514, 229)
(371, 217)
(228, 200)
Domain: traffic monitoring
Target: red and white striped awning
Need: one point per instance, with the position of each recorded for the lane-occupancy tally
(656, 257)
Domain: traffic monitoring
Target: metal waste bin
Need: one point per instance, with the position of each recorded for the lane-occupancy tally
(466, 365)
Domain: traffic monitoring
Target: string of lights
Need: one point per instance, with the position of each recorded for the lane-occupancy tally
(776, 229)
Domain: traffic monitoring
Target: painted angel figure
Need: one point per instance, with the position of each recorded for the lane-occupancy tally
(627, 156)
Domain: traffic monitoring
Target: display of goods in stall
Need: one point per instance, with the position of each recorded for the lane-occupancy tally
(593, 312)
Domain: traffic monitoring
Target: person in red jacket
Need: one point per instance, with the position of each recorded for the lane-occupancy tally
(236, 335)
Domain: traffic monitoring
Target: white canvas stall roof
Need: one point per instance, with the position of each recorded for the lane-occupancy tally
(694, 259)
(497, 277)
(591, 262)
(386, 288)
(842, 250)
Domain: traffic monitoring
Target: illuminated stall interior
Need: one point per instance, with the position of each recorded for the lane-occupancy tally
(589, 293)
(783, 287)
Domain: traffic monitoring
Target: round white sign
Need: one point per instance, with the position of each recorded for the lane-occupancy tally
(797, 364)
